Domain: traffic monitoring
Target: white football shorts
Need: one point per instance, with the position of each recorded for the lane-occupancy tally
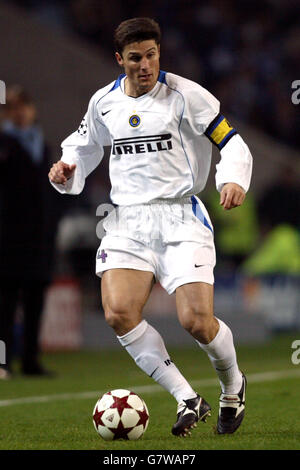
(173, 239)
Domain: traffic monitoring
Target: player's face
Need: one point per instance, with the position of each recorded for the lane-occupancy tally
(141, 65)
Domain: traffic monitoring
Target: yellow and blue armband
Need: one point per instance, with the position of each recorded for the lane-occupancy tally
(220, 131)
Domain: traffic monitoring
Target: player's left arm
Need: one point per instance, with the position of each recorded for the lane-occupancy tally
(232, 195)
(235, 167)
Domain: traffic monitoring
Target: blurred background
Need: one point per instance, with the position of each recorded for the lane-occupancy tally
(247, 54)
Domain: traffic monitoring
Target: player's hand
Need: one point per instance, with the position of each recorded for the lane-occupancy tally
(60, 172)
(232, 195)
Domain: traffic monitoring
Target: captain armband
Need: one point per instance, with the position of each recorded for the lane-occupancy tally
(220, 131)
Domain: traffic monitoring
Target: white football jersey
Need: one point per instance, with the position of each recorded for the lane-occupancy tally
(161, 142)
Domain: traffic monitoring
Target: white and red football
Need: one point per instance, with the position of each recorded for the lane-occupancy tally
(120, 414)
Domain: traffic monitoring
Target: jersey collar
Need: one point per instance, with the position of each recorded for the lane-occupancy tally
(121, 80)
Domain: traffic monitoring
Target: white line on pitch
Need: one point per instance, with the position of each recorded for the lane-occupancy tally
(251, 378)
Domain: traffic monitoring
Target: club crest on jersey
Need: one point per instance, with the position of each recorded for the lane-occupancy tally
(134, 120)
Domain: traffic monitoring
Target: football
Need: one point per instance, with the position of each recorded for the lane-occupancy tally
(120, 414)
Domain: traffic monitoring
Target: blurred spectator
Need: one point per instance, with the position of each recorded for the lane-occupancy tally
(280, 203)
(236, 235)
(278, 254)
(279, 220)
(28, 219)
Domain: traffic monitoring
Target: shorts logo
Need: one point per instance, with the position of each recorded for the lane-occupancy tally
(134, 120)
(102, 256)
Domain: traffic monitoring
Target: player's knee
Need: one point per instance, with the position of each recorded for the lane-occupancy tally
(197, 322)
(114, 320)
(120, 316)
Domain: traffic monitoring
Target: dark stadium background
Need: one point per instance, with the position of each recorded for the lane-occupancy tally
(247, 54)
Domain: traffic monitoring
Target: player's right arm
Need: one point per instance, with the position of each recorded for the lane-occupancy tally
(61, 172)
(82, 152)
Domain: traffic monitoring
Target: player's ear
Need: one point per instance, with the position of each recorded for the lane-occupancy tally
(119, 59)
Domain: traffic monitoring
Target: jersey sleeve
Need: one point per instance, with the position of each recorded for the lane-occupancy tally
(201, 107)
(236, 160)
(203, 112)
(235, 165)
(85, 148)
(220, 131)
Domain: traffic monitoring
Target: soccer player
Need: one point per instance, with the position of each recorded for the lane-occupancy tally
(161, 128)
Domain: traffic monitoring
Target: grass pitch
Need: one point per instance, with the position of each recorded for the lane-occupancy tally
(56, 413)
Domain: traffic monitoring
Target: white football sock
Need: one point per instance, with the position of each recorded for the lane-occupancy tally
(146, 346)
(221, 352)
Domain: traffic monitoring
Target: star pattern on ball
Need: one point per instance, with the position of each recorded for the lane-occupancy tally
(82, 129)
(120, 404)
(97, 416)
(121, 432)
(143, 417)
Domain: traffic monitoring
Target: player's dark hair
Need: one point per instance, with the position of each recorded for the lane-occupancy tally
(136, 30)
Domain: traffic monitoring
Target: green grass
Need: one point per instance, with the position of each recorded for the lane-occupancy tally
(271, 422)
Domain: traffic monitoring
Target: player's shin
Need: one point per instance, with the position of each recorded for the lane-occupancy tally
(222, 354)
(146, 346)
